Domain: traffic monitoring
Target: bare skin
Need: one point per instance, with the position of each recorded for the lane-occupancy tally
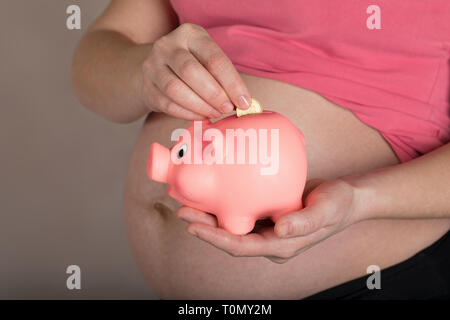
(178, 265)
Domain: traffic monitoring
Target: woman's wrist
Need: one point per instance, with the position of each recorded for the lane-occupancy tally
(366, 201)
(417, 189)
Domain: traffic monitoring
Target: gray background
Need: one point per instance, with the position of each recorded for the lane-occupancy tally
(62, 168)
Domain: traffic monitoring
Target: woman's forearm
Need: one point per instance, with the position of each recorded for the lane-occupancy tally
(106, 75)
(419, 188)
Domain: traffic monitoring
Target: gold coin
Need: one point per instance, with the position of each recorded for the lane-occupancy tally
(255, 107)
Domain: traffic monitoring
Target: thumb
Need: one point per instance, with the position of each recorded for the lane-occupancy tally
(310, 186)
(300, 223)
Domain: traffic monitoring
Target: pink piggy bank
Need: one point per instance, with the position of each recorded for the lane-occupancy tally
(239, 169)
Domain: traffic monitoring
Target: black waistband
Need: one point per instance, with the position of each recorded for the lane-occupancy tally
(426, 275)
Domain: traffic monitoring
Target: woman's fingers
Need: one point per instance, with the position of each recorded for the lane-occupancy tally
(192, 215)
(176, 90)
(308, 220)
(237, 246)
(192, 72)
(303, 222)
(162, 103)
(222, 69)
(190, 69)
(265, 243)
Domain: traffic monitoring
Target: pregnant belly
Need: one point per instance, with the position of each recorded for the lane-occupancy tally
(178, 265)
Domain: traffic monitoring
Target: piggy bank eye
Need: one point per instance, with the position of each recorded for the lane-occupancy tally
(182, 151)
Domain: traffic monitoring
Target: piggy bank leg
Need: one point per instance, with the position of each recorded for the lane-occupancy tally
(235, 224)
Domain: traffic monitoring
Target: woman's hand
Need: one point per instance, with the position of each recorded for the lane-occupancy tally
(330, 207)
(188, 76)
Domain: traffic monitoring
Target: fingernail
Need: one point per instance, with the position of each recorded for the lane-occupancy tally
(227, 107)
(244, 102)
(216, 114)
(192, 232)
(286, 229)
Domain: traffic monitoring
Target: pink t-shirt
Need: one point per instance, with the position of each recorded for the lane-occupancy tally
(385, 60)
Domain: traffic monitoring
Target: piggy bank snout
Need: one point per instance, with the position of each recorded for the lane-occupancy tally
(158, 163)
